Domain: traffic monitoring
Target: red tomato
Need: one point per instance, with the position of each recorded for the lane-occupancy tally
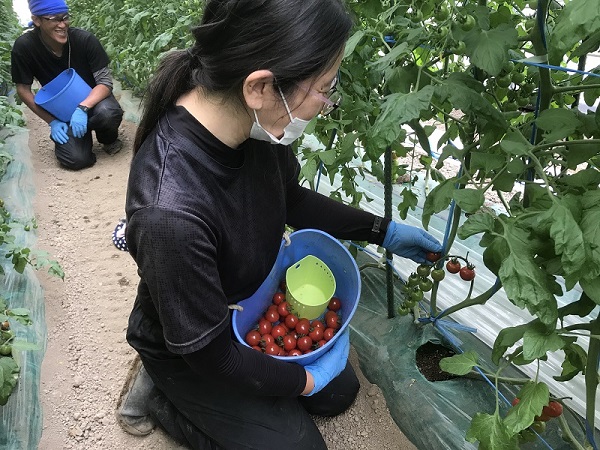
(304, 343)
(316, 334)
(256, 347)
(554, 409)
(283, 309)
(278, 297)
(328, 334)
(289, 342)
(264, 326)
(334, 304)
(317, 324)
(453, 266)
(433, 256)
(272, 349)
(272, 316)
(291, 320)
(543, 418)
(278, 331)
(303, 326)
(295, 352)
(332, 321)
(322, 343)
(516, 401)
(267, 339)
(467, 273)
(253, 338)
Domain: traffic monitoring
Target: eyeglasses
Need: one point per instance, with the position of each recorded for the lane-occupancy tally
(66, 18)
(331, 99)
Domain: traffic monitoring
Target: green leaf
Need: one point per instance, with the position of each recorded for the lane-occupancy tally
(567, 236)
(574, 362)
(475, 224)
(515, 144)
(487, 161)
(353, 42)
(409, 201)
(491, 432)
(9, 371)
(558, 123)
(19, 312)
(390, 58)
(533, 397)
(460, 364)
(309, 169)
(469, 200)
(438, 199)
(538, 341)
(328, 156)
(488, 49)
(506, 338)
(577, 154)
(577, 21)
(592, 288)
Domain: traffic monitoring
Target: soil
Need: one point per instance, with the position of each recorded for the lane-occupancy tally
(428, 357)
(87, 356)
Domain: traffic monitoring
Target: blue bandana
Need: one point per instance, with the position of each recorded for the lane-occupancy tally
(47, 7)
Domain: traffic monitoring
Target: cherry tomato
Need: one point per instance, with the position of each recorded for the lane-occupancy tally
(425, 284)
(317, 324)
(316, 334)
(266, 339)
(279, 331)
(304, 343)
(272, 315)
(441, 12)
(515, 401)
(295, 352)
(303, 326)
(468, 23)
(539, 426)
(289, 342)
(272, 349)
(334, 304)
(543, 418)
(413, 279)
(253, 338)
(433, 256)
(553, 409)
(278, 297)
(264, 326)
(5, 325)
(291, 320)
(256, 347)
(403, 310)
(423, 270)
(416, 294)
(321, 343)
(332, 321)
(283, 309)
(438, 274)
(467, 273)
(453, 266)
(328, 334)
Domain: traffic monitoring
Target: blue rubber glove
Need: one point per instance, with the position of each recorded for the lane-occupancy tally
(79, 121)
(410, 242)
(331, 364)
(58, 131)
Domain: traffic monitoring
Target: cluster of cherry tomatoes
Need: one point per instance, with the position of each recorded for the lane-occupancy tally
(550, 411)
(422, 280)
(280, 332)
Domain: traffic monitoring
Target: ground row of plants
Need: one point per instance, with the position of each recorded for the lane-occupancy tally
(499, 77)
(19, 257)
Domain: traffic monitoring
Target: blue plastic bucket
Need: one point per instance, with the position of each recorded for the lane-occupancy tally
(61, 96)
(304, 243)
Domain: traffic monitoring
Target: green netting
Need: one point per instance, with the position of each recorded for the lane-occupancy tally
(21, 417)
(433, 415)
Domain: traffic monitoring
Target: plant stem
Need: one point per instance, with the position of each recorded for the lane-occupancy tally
(516, 381)
(567, 434)
(591, 377)
(479, 300)
(560, 143)
(582, 87)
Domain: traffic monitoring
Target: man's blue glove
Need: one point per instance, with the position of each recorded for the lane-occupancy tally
(331, 364)
(410, 242)
(58, 131)
(79, 121)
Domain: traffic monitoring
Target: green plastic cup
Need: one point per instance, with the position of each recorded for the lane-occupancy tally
(309, 285)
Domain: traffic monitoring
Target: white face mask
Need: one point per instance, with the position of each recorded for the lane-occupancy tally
(291, 131)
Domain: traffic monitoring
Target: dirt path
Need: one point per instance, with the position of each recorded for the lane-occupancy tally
(87, 356)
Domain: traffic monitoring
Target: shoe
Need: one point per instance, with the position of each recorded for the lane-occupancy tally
(114, 148)
(133, 414)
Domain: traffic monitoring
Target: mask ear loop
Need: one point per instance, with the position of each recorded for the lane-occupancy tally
(287, 108)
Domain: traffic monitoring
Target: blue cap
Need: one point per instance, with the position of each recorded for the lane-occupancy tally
(47, 7)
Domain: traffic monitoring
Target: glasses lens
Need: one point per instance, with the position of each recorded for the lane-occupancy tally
(58, 19)
(335, 98)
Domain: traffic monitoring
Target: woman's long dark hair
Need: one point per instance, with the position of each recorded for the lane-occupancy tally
(294, 39)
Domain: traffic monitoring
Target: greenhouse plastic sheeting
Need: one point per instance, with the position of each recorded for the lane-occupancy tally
(21, 417)
(433, 415)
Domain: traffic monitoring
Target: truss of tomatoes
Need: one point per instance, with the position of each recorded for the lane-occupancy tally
(422, 280)
(279, 332)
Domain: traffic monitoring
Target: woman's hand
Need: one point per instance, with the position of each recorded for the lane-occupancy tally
(410, 242)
